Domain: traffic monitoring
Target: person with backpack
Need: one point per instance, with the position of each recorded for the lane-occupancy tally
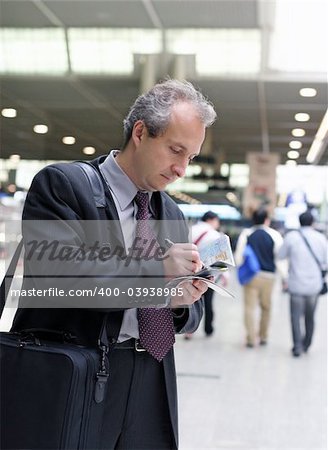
(306, 251)
(264, 242)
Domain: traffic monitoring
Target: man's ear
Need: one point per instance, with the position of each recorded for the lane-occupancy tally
(138, 132)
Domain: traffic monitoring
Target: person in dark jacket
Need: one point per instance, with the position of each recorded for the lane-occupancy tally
(163, 131)
(265, 243)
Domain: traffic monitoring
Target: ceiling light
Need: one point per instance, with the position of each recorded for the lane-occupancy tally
(194, 169)
(34, 50)
(320, 141)
(14, 157)
(298, 132)
(9, 112)
(291, 162)
(231, 196)
(40, 129)
(302, 117)
(293, 154)
(89, 150)
(292, 49)
(308, 92)
(224, 169)
(322, 132)
(243, 44)
(296, 145)
(68, 140)
(110, 50)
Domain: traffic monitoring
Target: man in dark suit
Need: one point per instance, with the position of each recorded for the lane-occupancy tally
(163, 131)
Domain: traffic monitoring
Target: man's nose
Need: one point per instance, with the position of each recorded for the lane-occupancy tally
(180, 169)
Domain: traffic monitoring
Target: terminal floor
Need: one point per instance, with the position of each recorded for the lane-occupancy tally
(233, 397)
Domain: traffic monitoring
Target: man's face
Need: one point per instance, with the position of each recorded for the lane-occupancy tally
(159, 161)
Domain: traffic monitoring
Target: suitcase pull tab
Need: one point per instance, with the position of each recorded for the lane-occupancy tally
(102, 375)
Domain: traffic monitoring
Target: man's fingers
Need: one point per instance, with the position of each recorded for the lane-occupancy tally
(201, 286)
(196, 289)
(182, 259)
(192, 292)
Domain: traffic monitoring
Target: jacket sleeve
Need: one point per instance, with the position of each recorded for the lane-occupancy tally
(53, 231)
(187, 320)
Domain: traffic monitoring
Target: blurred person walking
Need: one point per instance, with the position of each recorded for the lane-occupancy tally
(203, 233)
(265, 243)
(306, 251)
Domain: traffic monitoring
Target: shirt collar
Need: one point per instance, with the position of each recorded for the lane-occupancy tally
(121, 186)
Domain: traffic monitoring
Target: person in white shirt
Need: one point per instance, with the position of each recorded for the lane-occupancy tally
(203, 233)
(305, 278)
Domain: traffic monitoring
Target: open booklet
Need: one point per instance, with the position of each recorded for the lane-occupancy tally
(216, 257)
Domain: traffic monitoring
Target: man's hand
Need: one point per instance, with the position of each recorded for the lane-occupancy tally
(181, 259)
(192, 292)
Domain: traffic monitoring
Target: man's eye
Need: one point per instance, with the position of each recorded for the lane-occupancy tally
(174, 150)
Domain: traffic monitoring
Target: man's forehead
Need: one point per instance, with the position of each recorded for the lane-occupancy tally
(185, 110)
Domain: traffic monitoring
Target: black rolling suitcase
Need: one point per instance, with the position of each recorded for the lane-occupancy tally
(52, 390)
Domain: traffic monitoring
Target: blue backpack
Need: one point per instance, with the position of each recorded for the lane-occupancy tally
(250, 267)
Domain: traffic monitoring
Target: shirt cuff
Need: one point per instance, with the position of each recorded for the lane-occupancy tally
(178, 313)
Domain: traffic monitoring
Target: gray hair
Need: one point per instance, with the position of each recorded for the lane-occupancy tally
(154, 107)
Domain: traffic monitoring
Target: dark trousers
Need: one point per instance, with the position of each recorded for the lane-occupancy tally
(302, 306)
(137, 414)
(208, 312)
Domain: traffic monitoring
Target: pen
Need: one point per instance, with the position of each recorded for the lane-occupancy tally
(168, 243)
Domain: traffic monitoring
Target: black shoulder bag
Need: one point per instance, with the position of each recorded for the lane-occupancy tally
(53, 390)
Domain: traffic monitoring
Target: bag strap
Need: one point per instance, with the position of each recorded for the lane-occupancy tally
(98, 192)
(197, 241)
(311, 251)
(8, 278)
(96, 184)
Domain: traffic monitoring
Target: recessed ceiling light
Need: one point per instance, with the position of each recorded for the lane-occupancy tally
(291, 162)
(15, 157)
(293, 154)
(224, 169)
(308, 92)
(89, 150)
(9, 112)
(68, 140)
(302, 117)
(40, 129)
(295, 145)
(298, 132)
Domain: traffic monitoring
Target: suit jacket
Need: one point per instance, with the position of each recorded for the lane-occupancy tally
(60, 194)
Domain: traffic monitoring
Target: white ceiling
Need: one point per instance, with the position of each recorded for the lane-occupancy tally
(251, 110)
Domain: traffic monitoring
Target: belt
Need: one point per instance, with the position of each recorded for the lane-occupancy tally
(130, 344)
